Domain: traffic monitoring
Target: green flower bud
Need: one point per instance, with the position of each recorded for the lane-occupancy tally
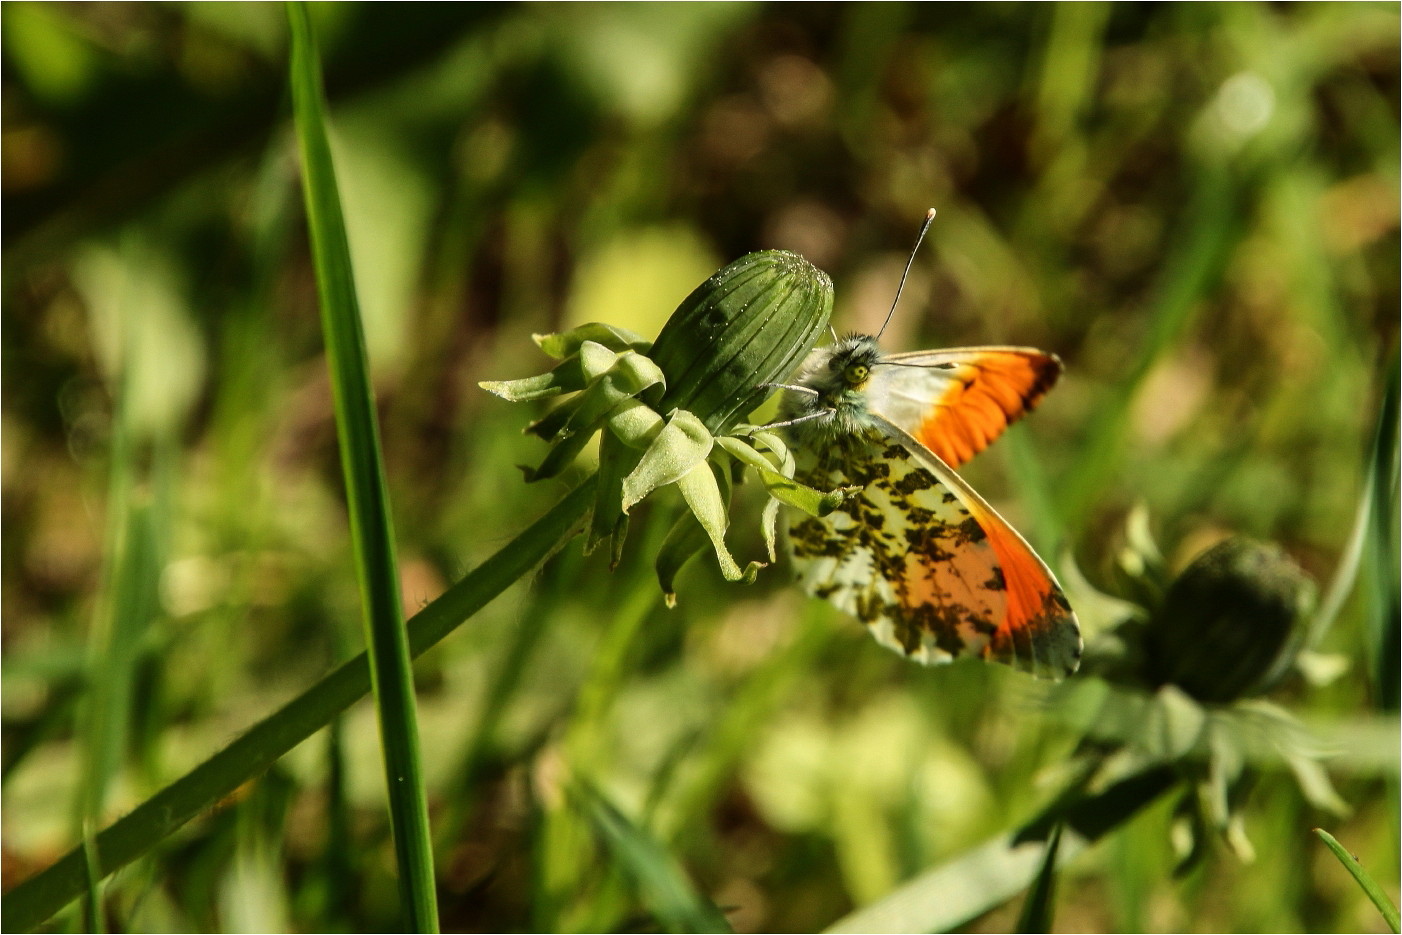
(751, 323)
(1232, 622)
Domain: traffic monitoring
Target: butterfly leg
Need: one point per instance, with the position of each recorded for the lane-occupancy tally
(807, 391)
(808, 417)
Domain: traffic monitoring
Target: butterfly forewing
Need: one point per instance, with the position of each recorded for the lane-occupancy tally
(956, 402)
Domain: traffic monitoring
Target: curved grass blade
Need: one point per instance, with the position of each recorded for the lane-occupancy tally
(29, 903)
(1036, 915)
(1372, 524)
(949, 896)
(1369, 885)
(391, 674)
(662, 884)
(1384, 551)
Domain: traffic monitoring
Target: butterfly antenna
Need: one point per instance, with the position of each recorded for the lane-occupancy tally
(929, 217)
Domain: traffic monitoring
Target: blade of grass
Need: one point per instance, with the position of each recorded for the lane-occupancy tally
(1383, 546)
(31, 902)
(948, 896)
(1036, 915)
(1364, 879)
(661, 882)
(980, 879)
(128, 603)
(372, 530)
(1372, 521)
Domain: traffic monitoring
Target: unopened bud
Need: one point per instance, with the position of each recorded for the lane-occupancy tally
(748, 325)
(1231, 623)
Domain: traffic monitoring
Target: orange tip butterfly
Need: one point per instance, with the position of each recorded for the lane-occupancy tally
(915, 552)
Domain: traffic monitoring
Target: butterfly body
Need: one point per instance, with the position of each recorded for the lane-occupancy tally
(914, 552)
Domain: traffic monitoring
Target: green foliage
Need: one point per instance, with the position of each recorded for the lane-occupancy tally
(1195, 206)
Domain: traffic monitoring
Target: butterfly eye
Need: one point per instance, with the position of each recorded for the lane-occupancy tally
(856, 374)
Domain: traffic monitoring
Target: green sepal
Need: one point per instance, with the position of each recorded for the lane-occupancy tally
(562, 344)
(626, 370)
(786, 489)
(615, 380)
(769, 528)
(566, 377)
(559, 457)
(550, 425)
(634, 423)
(609, 521)
(684, 541)
(680, 447)
(1139, 564)
(706, 489)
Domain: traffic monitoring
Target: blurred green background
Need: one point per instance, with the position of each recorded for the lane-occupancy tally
(1195, 206)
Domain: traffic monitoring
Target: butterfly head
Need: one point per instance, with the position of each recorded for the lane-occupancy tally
(850, 362)
(836, 377)
(839, 373)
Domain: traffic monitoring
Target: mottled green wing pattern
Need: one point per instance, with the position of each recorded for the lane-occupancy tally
(926, 563)
(902, 554)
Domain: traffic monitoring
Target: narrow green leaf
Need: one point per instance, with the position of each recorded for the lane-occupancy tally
(31, 902)
(1036, 915)
(661, 882)
(1092, 815)
(1212, 221)
(1384, 553)
(372, 530)
(1364, 880)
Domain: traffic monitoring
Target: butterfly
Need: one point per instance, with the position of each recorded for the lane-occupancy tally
(914, 552)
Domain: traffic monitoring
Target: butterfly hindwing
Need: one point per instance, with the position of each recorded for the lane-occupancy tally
(902, 554)
(926, 563)
(1038, 632)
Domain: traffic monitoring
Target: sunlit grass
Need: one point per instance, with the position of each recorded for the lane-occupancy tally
(176, 563)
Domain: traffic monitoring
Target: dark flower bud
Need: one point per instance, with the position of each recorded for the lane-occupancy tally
(1231, 624)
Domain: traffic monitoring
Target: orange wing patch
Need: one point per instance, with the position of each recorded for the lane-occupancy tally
(1036, 608)
(991, 390)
